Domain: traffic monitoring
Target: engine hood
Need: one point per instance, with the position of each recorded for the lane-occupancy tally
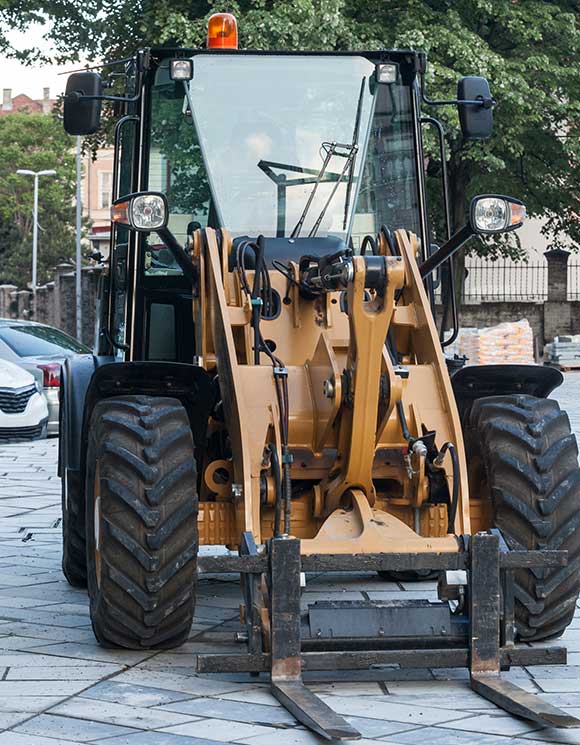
(13, 376)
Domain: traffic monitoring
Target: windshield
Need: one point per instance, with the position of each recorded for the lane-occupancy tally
(39, 341)
(282, 145)
(279, 133)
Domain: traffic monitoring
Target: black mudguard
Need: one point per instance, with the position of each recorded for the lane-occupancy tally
(75, 377)
(87, 379)
(479, 381)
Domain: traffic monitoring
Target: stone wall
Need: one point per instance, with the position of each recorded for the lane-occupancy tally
(490, 314)
(55, 302)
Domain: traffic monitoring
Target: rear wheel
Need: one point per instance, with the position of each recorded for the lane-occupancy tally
(522, 456)
(142, 538)
(74, 551)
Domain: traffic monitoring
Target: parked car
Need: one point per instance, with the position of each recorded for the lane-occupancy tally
(23, 407)
(41, 350)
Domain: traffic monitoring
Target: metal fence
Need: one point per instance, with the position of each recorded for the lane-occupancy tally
(500, 281)
(573, 279)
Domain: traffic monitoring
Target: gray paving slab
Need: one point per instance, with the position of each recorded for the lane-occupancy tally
(297, 737)
(233, 711)
(156, 738)
(133, 695)
(124, 715)
(67, 728)
(221, 730)
(16, 738)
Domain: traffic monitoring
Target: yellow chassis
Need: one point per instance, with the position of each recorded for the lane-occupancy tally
(347, 449)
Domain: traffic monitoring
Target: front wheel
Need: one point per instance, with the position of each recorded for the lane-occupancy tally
(142, 538)
(522, 457)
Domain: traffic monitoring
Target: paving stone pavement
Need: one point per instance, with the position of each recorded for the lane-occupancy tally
(58, 687)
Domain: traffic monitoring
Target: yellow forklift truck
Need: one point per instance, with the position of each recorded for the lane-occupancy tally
(268, 376)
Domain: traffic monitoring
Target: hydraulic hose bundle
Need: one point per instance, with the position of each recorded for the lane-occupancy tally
(261, 299)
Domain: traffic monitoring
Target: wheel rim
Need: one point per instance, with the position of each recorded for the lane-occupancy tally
(97, 522)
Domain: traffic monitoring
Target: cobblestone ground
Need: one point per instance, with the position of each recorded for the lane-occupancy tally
(58, 686)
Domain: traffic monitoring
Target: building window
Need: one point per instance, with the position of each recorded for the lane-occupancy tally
(105, 189)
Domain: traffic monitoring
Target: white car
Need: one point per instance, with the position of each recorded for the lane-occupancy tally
(23, 407)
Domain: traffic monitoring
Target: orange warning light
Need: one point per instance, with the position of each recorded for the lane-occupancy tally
(222, 31)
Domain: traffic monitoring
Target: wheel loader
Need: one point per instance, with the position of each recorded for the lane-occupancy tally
(268, 376)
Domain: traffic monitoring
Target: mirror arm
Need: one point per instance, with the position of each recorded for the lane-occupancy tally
(179, 253)
(447, 250)
(78, 97)
(487, 103)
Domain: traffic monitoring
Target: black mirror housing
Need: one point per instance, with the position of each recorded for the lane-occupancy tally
(82, 116)
(476, 120)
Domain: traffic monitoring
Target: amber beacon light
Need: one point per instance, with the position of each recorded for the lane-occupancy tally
(222, 31)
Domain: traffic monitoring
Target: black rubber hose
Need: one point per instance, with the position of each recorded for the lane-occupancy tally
(257, 296)
(278, 487)
(455, 492)
(368, 240)
(403, 421)
(388, 236)
(287, 488)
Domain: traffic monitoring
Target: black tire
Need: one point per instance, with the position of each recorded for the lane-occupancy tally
(141, 493)
(74, 549)
(522, 456)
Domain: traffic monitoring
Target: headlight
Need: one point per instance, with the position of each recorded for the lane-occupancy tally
(181, 69)
(144, 212)
(147, 212)
(496, 214)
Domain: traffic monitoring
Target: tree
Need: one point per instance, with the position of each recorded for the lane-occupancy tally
(35, 142)
(528, 50)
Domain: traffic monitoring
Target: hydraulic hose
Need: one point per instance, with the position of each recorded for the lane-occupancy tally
(403, 422)
(449, 446)
(278, 487)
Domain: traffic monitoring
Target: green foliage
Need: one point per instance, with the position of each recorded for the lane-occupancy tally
(528, 49)
(35, 142)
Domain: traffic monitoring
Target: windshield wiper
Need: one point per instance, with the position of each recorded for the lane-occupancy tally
(343, 151)
(331, 149)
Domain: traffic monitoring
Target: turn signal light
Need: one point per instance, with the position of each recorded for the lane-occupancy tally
(222, 31)
(120, 212)
(518, 214)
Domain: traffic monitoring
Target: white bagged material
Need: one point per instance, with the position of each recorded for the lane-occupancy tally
(506, 343)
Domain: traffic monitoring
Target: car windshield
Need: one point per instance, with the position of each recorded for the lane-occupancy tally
(40, 341)
(283, 145)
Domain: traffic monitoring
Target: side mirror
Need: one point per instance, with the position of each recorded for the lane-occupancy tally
(476, 120)
(82, 103)
(144, 211)
(492, 213)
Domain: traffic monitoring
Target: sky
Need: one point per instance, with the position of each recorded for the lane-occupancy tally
(32, 79)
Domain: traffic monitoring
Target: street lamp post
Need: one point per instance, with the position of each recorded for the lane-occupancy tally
(36, 175)
(78, 283)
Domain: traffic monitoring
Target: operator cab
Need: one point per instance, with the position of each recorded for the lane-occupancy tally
(314, 151)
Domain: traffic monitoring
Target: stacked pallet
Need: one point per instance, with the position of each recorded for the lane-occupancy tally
(563, 352)
(506, 343)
